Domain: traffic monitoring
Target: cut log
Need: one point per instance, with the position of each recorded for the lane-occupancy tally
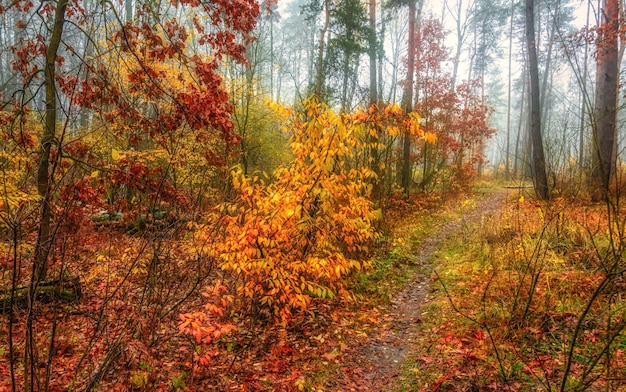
(66, 290)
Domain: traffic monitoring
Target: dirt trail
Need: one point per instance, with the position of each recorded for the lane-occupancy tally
(377, 365)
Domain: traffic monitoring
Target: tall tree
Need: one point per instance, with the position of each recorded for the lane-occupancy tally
(540, 178)
(297, 55)
(44, 236)
(486, 22)
(320, 54)
(508, 108)
(407, 99)
(397, 28)
(604, 134)
(349, 40)
(461, 22)
(373, 98)
(583, 102)
(373, 49)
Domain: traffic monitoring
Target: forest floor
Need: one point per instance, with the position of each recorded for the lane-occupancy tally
(371, 344)
(492, 290)
(377, 364)
(360, 345)
(488, 290)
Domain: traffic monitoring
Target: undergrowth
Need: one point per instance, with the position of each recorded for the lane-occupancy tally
(395, 263)
(394, 266)
(407, 226)
(531, 298)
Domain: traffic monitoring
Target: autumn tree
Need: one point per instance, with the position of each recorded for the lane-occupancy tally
(262, 145)
(294, 240)
(407, 97)
(140, 82)
(433, 98)
(319, 75)
(605, 113)
(540, 178)
(458, 117)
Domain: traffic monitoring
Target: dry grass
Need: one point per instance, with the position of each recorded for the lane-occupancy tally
(531, 298)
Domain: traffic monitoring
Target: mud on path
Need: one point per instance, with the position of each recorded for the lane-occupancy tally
(377, 364)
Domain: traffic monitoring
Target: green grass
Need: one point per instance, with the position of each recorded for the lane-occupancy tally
(393, 269)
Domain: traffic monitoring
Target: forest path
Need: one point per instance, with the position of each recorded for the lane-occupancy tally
(377, 364)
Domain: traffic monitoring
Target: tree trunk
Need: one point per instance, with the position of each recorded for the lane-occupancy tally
(520, 125)
(407, 100)
(507, 170)
(320, 54)
(128, 6)
(373, 139)
(44, 237)
(345, 82)
(373, 47)
(380, 50)
(546, 87)
(460, 38)
(272, 58)
(605, 129)
(47, 140)
(583, 104)
(540, 178)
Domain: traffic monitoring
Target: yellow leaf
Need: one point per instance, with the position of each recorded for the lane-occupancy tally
(393, 131)
(430, 137)
(393, 109)
(95, 174)
(341, 129)
(300, 384)
(115, 155)
(415, 116)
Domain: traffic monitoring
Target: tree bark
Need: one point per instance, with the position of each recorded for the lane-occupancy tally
(546, 86)
(605, 128)
(373, 48)
(373, 139)
(507, 170)
(320, 54)
(44, 237)
(540, 178)
(407, 100)
(128, 7)
(583, 103)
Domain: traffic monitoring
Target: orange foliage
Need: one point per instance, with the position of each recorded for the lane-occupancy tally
(292, 240)
(297, 238)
